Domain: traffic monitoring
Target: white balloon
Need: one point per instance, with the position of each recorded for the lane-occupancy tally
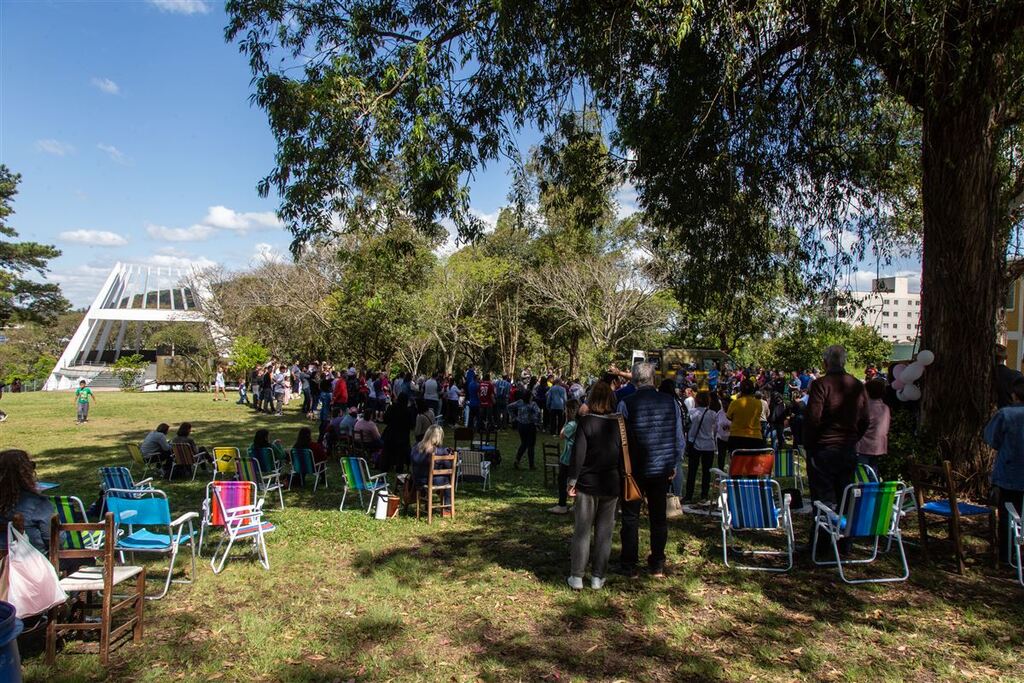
(925, 357)
(911, 392)
(912, 373)
(897, 370)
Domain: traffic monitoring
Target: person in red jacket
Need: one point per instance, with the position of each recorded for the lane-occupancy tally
(339, 396)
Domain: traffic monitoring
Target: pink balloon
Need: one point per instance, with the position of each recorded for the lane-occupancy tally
(897, 385)
(897, 370)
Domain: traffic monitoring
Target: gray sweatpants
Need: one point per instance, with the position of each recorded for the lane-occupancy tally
(83, 412)
(592, 513)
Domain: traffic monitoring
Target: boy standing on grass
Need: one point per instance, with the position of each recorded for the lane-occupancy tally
(568, 439)
(82, 396)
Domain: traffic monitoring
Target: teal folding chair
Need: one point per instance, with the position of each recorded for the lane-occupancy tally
(357, 477)
(1016, 540)
(145, 517)
(869, 511)
(752, 504)
(303, 465)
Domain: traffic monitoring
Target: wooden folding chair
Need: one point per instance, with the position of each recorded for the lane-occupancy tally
(441, 465)
(462, 435)
(949, 510)
(86, 582)
(184, 457)
(551, 463)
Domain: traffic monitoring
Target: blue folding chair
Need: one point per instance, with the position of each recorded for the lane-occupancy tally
(787, 466)
(754, 504)
(146, 517)
(120, 479)
(1016, 541)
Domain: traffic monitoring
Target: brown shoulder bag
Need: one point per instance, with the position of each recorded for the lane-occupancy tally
(630, 490)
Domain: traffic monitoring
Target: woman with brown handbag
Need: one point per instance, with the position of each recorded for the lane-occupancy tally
(595, 482)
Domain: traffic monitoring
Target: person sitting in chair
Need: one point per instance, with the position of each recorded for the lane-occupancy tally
(420, 456)
(185, 436)
(19, 495)
(156, 449)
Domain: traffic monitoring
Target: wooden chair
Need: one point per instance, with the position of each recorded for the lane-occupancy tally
(551, 463)
(441, 465)
(86, 582)
(949, 510)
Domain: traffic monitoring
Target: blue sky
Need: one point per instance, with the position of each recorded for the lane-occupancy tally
(130, 123)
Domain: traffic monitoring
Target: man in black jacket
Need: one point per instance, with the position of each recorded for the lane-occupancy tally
(655, 429)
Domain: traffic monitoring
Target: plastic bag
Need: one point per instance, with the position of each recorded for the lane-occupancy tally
(33, 586)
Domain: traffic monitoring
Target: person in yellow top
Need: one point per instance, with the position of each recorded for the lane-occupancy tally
(745, 415)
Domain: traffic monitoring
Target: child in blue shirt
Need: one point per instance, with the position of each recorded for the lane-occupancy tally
(568, 439)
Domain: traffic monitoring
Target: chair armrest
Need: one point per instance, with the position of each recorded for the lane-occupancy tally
(243, 511)
(787, 500)
(384, 475)
(185, 517)
(147, 482)
(1014, 515)
(719, 473)
(821, 507)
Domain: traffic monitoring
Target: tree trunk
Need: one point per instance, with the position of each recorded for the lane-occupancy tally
(961, 281)
(574, 355)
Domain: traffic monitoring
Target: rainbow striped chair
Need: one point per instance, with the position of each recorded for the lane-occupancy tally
(357, 477)
(754, 504)
(870, 510)
(787, 466)
(233, 505)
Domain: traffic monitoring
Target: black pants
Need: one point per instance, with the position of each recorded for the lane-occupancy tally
(474, 417)
(556, 419)
(654, 491)
(1015, 498)
(563, 484)
(486, 420)
(829, 472)
(527, 443)
(307, 401)
(703, 459)
(723, 452)
(738, 442)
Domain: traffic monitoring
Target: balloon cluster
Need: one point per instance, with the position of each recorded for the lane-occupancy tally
(905, 375)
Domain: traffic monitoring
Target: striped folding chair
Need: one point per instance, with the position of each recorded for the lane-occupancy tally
(865, 474)
(870, 511)
(71, 510)
(475, 466)
(224, 458)
(304, 464)
(787, 466)
(1016, 540)
(120, 479)
(234, 506)
(249, 470)
(754, 504)
(357, 477)
(184, 458)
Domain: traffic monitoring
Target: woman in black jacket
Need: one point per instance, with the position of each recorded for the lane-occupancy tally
(399, 425)
(595, 482)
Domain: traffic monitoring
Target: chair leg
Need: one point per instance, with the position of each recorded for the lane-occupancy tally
(922, 525)
(140, 600)
(993, 540)
(954, 530)
(108, 598)
(51, 633)
(344, 493)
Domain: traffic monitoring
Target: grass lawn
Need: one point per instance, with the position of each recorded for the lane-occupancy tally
(483, 596)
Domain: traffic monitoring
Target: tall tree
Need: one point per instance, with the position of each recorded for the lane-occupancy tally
(823, 108)
(22, 299)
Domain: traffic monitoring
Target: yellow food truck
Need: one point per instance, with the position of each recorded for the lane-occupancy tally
(667, 362)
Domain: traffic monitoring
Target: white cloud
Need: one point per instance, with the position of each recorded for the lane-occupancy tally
(183, 262)
(228, 219)
(96, 238)
(116, 155)
(80, 284)
(54, 147)
(106, 85)
(181, 6)
(489, 219)
(195, 233)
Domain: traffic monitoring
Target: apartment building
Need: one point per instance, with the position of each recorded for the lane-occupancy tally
(890, 307)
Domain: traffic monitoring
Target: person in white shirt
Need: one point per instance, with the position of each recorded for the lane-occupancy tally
(701, 444)
(689, 401)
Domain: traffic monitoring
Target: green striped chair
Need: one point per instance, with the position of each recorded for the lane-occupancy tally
(70, 510)
(864, 474)
(249, 469)
(869, 511)
(754, 504)
(357, 477)
(787, 466)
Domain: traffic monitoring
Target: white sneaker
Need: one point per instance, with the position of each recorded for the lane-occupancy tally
(575, 583)
(597, 582)
(559, 509)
